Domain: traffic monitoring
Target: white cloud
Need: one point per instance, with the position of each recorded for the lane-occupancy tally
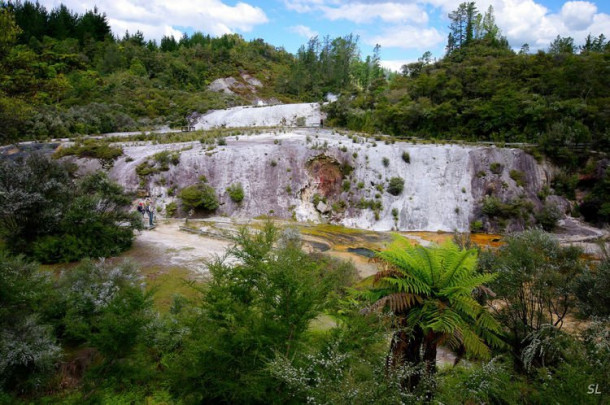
(395, 65)
(303, 31)
(367, 13)
(578, 15)
(156, 18)
(528, 21)
(408, 37)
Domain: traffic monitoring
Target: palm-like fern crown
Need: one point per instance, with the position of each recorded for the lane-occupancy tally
(431, 288)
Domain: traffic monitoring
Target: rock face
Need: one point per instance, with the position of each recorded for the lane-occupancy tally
(318, 175)
(291, 115)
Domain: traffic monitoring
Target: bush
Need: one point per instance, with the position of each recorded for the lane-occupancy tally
(593, 290)
(548, 217)
(396, 185)
(385, 161)
(236, 192)
(406, 157)
(46, 214)
(107, 306)
(346, 185)
(518, 176)
(28, 350)
(170, 209)
(199, 196)
(95, 150)
(496, 168)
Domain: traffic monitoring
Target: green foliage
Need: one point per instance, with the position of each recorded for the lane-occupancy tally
(429, 291)
(535, 282)
(406, 157)
(491, 382)
(518, 177)
(385, 161)
(200, 196)
(346, 185)
(171, 209)
(548, 217)
(596, 205)
(47, 214)
(593, 290)
(91, 150)
(107, 307)
(28, 349)
(251, 310)
(236, 192)
(496, 168)
(395, 186)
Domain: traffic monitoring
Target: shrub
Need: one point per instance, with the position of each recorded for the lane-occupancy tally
(273, 163)
(222, 141)
(346, 185)
(385, 161)
(170, 209)
(406, 157)
(396, 185)
(199, 196)
(95, 150)
(548, 217)
(165, 158)
(496, 168)
(236, 192)
(476, 226)
(518, 176)
(593, 290)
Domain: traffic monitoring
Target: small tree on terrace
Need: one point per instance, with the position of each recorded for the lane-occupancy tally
(429, 292)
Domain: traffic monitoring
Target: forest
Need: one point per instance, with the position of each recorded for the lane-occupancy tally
(527, 322)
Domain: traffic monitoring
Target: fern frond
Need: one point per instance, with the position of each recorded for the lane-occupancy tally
(397, 303)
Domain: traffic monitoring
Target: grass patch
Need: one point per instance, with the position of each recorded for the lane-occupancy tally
(166, 283)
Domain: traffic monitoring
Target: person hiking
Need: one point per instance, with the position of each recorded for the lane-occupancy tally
(150, 210)
(141, 208)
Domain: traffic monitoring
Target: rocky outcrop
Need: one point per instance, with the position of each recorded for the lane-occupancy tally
(319, 175)
(291, 115)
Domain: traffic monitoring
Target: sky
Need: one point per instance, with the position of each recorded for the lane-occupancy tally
(404, 29)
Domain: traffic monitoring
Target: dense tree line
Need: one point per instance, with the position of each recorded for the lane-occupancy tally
(65, 74)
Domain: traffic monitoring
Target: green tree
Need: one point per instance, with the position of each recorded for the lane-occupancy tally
(106, 307)
(28, 349)
(429, 291)
(259, 304)
(534, 286)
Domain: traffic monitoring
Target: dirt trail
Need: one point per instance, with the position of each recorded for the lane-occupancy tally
(167, 246)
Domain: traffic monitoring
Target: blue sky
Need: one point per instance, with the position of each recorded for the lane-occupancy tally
(405, 29)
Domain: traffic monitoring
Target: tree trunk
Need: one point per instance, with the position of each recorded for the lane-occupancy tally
(405, 349)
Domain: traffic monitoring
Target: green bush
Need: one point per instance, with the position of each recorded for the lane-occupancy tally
(200, 196)
(396, 185)
(406, 157)
(496, 168)
(171, 209)
(593, 290)
(346, 185)
(236, 192)
(95, 150)
(548, 216)
(518, 176)
(385, 161)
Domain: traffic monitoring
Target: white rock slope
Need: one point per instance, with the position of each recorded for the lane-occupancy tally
(306, 114)
(442, 191)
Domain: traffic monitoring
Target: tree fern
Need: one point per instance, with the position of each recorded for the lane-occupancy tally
(429, 291)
